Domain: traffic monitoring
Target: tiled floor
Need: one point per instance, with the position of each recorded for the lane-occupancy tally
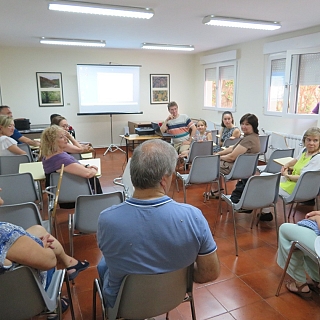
(247, 284)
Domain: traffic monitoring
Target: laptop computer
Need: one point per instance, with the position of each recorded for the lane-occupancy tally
(156, 128)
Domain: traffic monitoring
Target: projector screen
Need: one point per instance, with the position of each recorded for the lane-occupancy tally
(108, 88)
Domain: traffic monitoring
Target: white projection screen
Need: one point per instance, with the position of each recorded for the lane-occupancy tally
(108, 88)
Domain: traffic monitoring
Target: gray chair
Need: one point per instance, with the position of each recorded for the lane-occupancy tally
(296, 245)
(125, 181)
(243, 168)
(18, 188)
(87, 212)
(198, 148)
(307, 188)
(144, 296)
(77, 156)
(273, 167)
(230, 142)
(204, 170)
(32, 155)
(264, 139)
(10, 164)
(23, 296)
(259, 192)
(24, 215)
(214, 133)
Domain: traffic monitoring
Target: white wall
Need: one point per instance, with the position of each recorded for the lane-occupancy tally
(18, 67)
(251, 85)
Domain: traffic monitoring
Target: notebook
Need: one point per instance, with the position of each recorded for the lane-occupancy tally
(156, 128)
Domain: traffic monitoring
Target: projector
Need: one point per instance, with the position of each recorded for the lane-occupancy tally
(144, 131)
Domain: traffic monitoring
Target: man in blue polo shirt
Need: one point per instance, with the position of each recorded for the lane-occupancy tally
(5, 110)
(151, 233)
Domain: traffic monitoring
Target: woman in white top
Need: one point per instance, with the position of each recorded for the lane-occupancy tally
(8, 146)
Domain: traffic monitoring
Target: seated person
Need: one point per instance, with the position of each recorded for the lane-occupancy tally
(73, 145)
(228, 130)
(150, 231)
(53, 145)
(5, 110)
(8, 146)
(36, 248)
(300, 264)
(201, 135)
(307, 160)
(250, 143)
(179, 125)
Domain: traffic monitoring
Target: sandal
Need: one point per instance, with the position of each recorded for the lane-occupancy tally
(314, 286)
(212, 194)
(304, 295)
(65, 302)
(80, 266)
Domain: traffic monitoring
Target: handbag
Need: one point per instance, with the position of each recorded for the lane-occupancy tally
(311, 224)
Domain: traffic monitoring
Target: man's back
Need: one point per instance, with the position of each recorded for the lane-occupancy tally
(150, 236)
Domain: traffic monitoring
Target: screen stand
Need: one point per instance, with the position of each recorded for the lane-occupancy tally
(113, 147)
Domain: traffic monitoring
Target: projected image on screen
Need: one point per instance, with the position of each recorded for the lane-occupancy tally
(108, 89)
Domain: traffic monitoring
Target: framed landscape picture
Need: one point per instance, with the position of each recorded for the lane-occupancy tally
(159, 88)
(49, 86)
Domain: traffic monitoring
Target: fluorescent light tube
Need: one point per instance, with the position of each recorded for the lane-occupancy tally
(175, 47)
(102, 9)
(240, 23)
(73, 42)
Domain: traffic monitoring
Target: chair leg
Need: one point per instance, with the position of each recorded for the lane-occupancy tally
(193, 310)
(235, 231)
(284, 211)
(66, 279)
(276, 221)
(286, 267)
(290, 210)
(184, 192)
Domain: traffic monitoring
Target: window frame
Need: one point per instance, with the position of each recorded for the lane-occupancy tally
(290, 87)
(219, 65)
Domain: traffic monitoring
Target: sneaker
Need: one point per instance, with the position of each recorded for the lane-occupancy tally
(245, 211)
(268, 216)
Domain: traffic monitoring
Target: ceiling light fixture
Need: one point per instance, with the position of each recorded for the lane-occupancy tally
(176, 47)
(240, 23)
(73, 42)
(102, 9)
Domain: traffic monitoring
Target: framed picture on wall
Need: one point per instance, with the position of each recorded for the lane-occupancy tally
(159, 88)
(49, 86)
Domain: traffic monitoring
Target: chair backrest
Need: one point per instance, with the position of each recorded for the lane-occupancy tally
(260, 191)
(204, 169)
(264, 139)
(88, 209)
(307, 187)
(24, 215)
(18, 188)
(214, 133)
(77, 156)
(125, 181)
(244, 166)
(145, 296)
(230, 142)
(25, 147)
(10, 164)
(273, 167)
(200, 148)
(22, 294)
(72, 186)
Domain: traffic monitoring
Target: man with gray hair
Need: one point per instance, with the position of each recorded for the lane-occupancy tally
(151, 233)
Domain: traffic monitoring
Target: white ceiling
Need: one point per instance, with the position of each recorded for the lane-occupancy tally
(23, 22)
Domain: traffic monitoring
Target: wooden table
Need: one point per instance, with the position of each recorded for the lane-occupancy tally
(135, 137)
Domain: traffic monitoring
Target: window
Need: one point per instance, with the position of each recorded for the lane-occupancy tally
(293, 82)
(219, 85)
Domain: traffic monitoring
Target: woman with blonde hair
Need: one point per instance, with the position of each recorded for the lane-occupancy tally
(8, 146)
(53, 145)
(73, 145)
